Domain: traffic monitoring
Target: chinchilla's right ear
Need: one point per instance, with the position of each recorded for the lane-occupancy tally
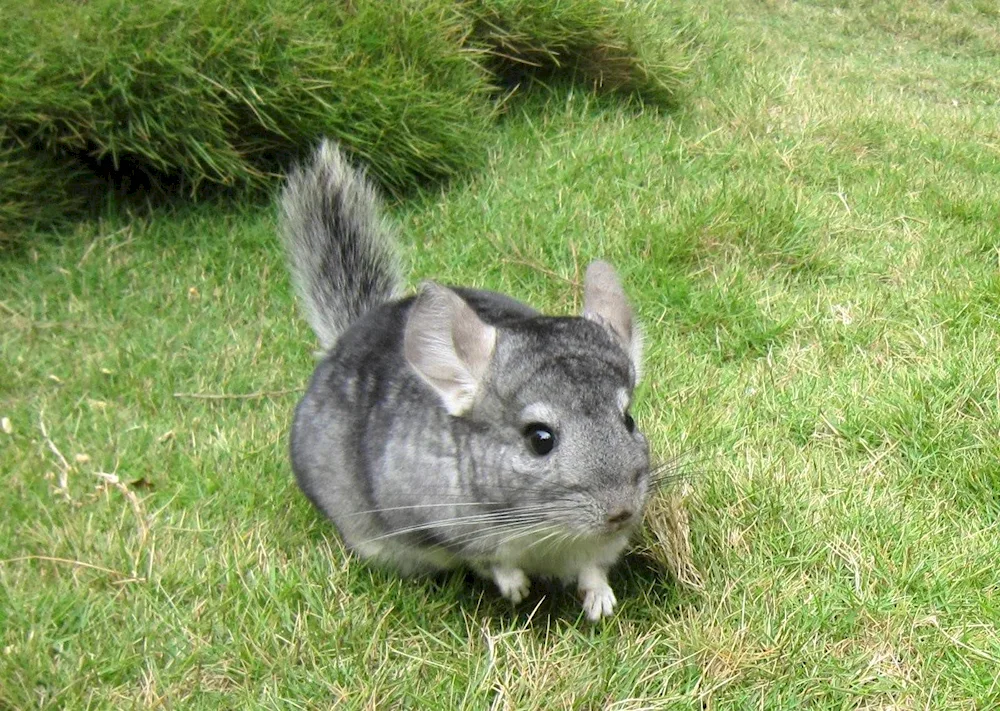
(605, 302)
(448, 346)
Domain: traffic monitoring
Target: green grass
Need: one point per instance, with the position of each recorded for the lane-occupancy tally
(37, 189)
(812, 243)
(178, 97)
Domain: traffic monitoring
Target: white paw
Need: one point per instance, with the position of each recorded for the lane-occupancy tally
(599, 602)
(598, 599)
(513, 583)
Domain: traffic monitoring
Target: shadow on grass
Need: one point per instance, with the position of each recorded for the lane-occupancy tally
(639, 582)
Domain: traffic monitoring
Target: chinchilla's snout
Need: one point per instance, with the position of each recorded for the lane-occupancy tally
(622, 503)
(620, 513)
(620, 519)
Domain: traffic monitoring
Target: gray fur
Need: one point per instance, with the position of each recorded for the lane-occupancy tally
(411, 435)
(340, 251)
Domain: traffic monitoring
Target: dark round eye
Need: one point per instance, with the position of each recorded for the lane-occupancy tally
(629, 423)
(540, 438)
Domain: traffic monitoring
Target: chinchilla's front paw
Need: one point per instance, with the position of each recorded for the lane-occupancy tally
(513, 583)
(598, 597)
(599, 603)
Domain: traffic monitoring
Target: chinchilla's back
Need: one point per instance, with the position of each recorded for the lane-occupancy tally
(340, 251)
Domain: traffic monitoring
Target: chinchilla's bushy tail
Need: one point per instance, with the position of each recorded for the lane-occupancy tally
(341, 253)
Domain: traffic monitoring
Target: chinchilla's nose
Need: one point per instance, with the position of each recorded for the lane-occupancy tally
(619, 517)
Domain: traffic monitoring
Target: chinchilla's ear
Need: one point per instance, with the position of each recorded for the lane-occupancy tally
(448, 346)
(604, 301)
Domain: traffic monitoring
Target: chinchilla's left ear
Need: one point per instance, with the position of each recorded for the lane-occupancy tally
(604, 301)
(448, 346)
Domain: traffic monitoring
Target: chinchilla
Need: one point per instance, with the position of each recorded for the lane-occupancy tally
(458, 426)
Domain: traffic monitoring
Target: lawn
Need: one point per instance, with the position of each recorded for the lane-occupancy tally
(812, 239)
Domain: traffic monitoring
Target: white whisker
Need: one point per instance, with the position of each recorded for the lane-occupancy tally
(496, 518)
(558, 532)
(416, 507)
(513, 530)
(529, 532)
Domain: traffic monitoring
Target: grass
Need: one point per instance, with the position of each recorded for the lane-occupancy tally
(37, 189)
(175, 97)
(811, 241)
(190, 94)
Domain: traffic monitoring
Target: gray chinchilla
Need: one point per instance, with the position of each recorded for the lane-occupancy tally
(459, 426)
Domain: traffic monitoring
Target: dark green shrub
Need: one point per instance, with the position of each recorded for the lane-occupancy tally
(219, 92)
(611, 46)
(37, 189)
(183, 94)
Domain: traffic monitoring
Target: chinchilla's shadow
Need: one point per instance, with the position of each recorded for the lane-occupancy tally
(639, 581)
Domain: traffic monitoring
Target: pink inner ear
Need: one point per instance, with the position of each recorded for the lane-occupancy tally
(448, 346)
(605, 301)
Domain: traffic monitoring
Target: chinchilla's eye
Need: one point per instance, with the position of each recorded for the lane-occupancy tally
(540, 438)
(629, 423)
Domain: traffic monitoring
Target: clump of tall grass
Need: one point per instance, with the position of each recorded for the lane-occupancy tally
(188, 95)
(610, 46)
(36, 188)
(218, 92)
